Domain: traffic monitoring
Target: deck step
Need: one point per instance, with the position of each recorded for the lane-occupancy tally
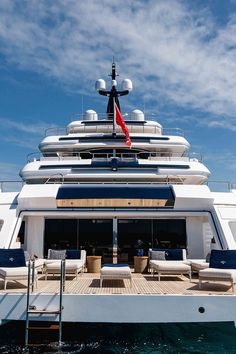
(50, 327)
(44, 311)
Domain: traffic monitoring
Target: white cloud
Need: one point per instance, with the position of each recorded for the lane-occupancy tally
(179, 54)
(22, 133)
(26, 127)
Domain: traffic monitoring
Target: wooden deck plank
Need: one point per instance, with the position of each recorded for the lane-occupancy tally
(88, 283)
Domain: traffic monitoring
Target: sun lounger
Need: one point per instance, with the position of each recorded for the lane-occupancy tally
(13, 266)
(115, 271)
(222, 267)
(169, 261)
(73, 265)
(15, 274)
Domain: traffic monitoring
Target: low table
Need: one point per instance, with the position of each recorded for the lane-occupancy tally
(115, 271)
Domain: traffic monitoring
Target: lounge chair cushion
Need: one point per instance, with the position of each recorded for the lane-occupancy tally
(116, 270)
(223, 259)
(38, 262)
(70, 264)
(218, 274)
(170, 266)
(15, 273)
(12, 258)
(199, 264)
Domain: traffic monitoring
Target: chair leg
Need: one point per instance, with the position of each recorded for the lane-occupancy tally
(100, 282)
(190, 276)
(5, 284)
(200, 283)
(159, 276)
(232, 284)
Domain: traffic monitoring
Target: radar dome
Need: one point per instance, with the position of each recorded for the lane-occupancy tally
(136, 114)
(127, 85)
(90, 115)
(100, 85)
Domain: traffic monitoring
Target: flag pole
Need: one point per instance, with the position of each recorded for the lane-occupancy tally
(114, 125)
(114, 117)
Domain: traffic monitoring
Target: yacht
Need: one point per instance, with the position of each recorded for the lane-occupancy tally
(103, 186)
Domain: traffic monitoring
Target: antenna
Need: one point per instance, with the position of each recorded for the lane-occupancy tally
(113, 94)
(82, 104)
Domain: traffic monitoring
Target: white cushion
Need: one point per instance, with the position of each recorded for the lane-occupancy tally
(39, 262)
(198, 265)
(170, 266)
(115, 270)
(69, 265)
(218, 273)
(14, 272)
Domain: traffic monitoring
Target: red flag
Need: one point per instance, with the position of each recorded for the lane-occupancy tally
(121, 122)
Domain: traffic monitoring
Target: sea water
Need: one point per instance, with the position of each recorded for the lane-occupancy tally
(123, 338)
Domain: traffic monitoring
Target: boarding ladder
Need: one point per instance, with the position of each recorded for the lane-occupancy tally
(32, 310)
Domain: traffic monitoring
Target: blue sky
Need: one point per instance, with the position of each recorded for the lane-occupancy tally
(180, 55)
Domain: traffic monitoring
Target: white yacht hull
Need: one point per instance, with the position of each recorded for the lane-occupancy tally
(124, 308)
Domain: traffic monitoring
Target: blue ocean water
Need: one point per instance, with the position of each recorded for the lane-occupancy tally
(123, 338)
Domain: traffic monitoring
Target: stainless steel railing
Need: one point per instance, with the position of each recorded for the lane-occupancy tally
(165, 156)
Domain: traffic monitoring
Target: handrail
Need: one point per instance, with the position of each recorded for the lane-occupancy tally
(62, 289)
(30, 287)
(97, 126)
(123, 156)
(167, 180)
(229, 185)
(53, 175)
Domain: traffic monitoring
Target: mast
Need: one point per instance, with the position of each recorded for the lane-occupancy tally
(113, 94)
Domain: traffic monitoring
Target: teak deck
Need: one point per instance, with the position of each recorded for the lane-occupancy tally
(88, 283)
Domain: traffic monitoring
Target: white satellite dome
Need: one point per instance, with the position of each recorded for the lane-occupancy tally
(127, 85)
(136, 114)
(90, 115)
(100, 85)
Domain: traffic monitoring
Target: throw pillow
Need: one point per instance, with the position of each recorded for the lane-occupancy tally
(158, 255)
(12, 258)
(57, 254)
(73, 254)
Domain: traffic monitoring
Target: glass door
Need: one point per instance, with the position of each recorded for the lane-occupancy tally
(96, 237)
(132, 235)
(60, 234)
